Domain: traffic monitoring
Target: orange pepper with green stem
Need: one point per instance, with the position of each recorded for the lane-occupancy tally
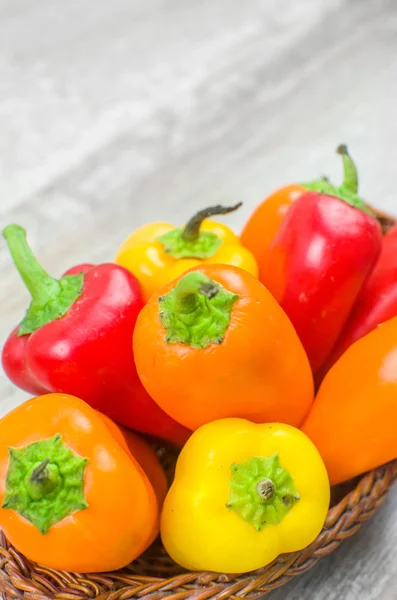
(72, 494)
(214, 344)
(159, 252)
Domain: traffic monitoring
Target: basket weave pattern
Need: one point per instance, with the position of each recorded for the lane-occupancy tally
(155, 576)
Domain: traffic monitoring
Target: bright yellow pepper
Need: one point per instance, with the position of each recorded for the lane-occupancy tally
(159, 252)
(243, 494)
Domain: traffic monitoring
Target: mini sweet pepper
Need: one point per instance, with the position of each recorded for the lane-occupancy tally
(76, 338)
(376, 303)
(326, 247)
(264, 223)
(215, 343)
(159, 252)
(353, 418)
(242, 495)
(140, 450)
(73, 494)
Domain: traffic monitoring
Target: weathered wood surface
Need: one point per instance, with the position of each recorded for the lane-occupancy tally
(115, 113)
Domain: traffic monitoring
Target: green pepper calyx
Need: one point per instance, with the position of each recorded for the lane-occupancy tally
(197, 311)
(45, 482)
(261, 491)
(348, 191)
(191, 242)
(51, 298)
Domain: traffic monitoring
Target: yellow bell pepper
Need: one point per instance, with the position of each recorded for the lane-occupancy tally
(243, 494)
(159, 252)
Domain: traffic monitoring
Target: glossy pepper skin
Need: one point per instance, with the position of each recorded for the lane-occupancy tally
(215, 344)
(353, 419)
(141, 451)
(264, 223)
(242, 495)
(159, 252)
(376, 303)
(80, 343)
(71, 496)
(325, 249)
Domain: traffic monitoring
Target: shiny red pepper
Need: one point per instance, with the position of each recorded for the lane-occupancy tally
(376, 303)
(327, 245)
(76, 338)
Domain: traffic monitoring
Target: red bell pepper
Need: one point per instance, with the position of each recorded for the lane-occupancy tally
(76, 338)
(327, 245)
(376, 303)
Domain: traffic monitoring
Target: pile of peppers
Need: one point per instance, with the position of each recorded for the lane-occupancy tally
(268, 360)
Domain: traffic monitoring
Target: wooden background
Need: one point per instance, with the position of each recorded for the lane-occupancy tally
(116, 113)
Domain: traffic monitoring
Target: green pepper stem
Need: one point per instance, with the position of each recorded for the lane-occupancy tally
(196, 312)
(350, 175)
(45, 482)
(191, 230)
(265, 489)
(41, 286)
(38, 472)
(261, 491)
(188, 289)
(42, 480)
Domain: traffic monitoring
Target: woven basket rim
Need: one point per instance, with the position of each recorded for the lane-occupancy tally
(21, 578)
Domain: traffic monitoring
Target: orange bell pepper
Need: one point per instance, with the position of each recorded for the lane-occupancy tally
(159, 252)
(216, 344)
(262, 226)
(72, 496)
(141, 451)
(354, 417)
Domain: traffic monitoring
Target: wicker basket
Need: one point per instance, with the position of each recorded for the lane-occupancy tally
(154, 575)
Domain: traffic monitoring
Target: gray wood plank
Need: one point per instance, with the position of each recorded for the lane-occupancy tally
(112, 114)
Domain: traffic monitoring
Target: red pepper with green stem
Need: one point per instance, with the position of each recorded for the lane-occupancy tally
(326, 247)
(76, 338)
(376, 303)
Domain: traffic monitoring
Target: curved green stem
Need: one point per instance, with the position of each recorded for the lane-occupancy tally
(350, 175)
(191, 241)
(51, 298)
(41, 286)
(348, 190)
(191, 230)
(188, 290)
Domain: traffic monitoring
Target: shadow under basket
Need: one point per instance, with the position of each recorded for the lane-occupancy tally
(154, 575)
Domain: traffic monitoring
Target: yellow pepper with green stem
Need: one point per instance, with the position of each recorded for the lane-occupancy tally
(243, 494)
(159, 252)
